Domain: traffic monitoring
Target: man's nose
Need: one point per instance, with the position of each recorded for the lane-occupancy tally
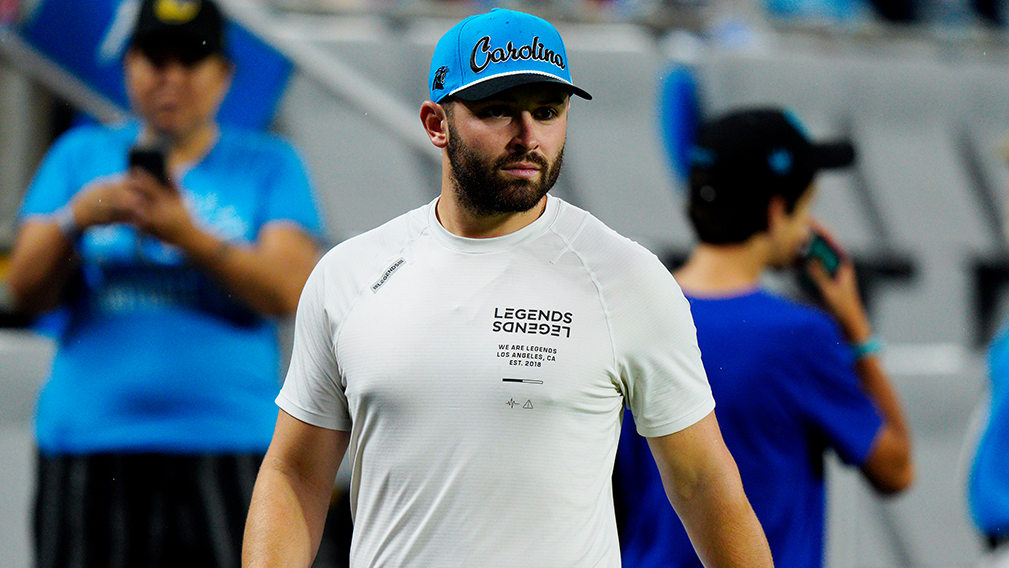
(526, 135)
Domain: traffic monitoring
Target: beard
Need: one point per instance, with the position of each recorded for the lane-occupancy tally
(481, 188)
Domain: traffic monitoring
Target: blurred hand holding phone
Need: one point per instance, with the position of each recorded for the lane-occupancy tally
(839, 292)
(152, 160)
(822, 249)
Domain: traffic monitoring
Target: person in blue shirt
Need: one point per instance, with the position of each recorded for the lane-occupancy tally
(159, 406)
(988, 482)
(790, 381)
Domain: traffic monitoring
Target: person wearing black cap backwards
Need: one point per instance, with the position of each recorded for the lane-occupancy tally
(790, 381)
(159, 406)
(473, 357)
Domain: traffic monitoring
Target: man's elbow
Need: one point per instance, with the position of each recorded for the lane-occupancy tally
(890, 467)
(896, 481)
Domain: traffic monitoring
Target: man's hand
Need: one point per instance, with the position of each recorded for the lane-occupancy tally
(158, 209)
(138, 199)
(106, 202)
(840, 293)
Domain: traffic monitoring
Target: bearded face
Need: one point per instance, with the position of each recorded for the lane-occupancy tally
(484, 188)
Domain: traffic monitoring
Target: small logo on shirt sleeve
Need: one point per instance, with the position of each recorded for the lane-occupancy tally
(385, 275)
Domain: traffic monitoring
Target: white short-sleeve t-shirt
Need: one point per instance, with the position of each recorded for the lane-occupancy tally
(483, 383)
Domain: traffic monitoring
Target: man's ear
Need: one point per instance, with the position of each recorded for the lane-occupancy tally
(435, 121)
(777, 211)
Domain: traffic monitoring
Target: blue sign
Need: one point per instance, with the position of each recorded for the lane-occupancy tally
(88, 40)
(680, 115)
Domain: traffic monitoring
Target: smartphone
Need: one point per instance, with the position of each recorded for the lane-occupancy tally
(821, 249)
(151, 160)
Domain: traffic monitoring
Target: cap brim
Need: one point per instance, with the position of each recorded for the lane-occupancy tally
(830, 155)
(176, 41)
(494, 85)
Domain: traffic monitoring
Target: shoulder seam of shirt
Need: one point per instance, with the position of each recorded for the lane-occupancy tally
(570, 248)
(412, 237)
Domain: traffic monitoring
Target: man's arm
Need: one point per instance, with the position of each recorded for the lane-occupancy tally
(44, 256)
(268, 275)
(291, 497)
(703, 485)
(41, 265)
(889, 466)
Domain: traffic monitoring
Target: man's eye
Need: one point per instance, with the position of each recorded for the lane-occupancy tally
(495, 111)
(546, 113)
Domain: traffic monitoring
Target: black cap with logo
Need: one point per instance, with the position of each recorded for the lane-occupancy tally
(187, 30)
(743, 158)
(761, 150)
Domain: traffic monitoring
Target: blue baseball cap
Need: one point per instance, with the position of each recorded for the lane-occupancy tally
(488, 53)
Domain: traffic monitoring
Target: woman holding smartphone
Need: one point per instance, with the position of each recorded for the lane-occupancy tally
(174, 268)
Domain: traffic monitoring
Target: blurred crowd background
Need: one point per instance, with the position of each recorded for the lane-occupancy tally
(696, 15)
(921, 87)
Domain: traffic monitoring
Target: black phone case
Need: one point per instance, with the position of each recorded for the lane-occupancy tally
(150, 160)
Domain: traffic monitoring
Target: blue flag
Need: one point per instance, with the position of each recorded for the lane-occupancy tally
(88, 39)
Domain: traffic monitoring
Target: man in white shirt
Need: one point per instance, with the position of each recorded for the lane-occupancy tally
(473, 357)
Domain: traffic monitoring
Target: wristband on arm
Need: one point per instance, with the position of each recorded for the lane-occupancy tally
(67, 223)
(871, 346)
